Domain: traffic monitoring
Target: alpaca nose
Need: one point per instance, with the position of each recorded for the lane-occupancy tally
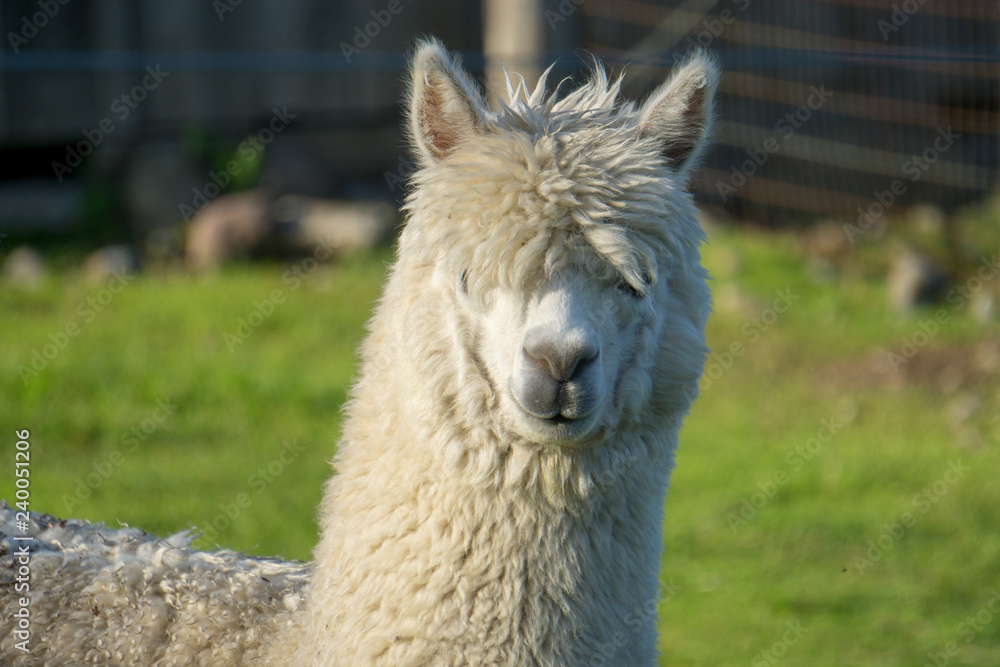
(563, 358)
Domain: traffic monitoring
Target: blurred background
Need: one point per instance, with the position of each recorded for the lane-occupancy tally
(198, 201)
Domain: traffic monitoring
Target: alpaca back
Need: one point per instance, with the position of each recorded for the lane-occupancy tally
(122, 597)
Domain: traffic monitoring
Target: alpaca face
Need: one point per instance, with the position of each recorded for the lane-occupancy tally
(560, 236)
(554, 355)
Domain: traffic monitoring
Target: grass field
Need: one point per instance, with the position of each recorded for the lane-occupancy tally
(828, 508)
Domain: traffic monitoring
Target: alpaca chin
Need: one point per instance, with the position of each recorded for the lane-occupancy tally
(560, 432)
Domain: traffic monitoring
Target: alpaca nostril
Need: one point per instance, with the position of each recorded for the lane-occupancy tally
(562, 359)
(586, 355)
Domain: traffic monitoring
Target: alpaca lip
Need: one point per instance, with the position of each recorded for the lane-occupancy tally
(569, 422)
(558, 429)
(560, 403)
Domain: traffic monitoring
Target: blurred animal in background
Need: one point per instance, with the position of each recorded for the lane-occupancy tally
(251, 224)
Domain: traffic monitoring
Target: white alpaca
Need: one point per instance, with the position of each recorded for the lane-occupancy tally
(120, 597)
(501, 479)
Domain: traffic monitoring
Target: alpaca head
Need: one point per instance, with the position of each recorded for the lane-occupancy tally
(561, 239)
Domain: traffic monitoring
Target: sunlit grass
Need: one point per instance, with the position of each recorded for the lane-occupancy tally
(790, 467)
(152, 415)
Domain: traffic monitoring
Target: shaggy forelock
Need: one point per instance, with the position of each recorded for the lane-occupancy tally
(554, 180)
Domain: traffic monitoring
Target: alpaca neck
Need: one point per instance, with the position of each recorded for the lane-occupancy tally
(444, 543)
(440, 557)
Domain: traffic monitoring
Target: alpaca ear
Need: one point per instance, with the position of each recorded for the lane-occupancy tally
(446, 108)
(679, 112)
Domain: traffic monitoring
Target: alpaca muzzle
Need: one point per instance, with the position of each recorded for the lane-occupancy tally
(558, 375)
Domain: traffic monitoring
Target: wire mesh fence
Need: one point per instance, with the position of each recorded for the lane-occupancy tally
(847, 109)
(833, 108)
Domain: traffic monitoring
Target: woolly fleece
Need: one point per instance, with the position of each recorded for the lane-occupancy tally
(448, 537)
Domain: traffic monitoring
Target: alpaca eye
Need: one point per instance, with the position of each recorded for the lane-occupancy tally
(464, 282)
(628, 288)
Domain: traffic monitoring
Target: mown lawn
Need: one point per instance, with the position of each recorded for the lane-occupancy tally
(827, 508)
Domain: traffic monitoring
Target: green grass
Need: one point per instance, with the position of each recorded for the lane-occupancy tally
(153, 416)
(799, 557)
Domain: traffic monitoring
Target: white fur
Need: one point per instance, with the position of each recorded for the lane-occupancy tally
(501, 478)
(100, 596)
(460, 529)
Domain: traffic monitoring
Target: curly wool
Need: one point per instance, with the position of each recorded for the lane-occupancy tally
(101, 596)
(550, 175)
(447, 537)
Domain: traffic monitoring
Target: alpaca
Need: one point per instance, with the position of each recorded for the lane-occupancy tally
(539, 340)
(500, 482)
(98, 596)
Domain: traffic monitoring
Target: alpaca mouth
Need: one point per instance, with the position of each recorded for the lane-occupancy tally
(557, 429)
(563, 413)
(556, 402)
